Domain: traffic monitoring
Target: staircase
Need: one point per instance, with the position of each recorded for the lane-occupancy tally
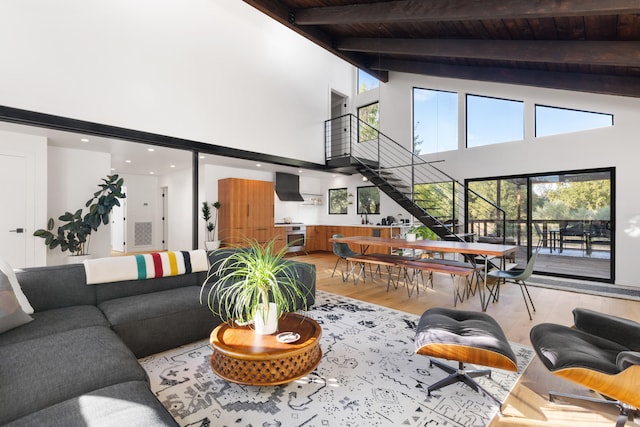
(432, 197)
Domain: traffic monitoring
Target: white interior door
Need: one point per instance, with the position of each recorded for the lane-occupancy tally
(339, 139)
(13, 227)
(118, 225)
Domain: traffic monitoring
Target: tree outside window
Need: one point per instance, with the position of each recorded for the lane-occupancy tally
(338, 201)
(369, 122)
(368, 200)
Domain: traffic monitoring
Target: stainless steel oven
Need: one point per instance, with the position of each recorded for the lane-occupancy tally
(296, 237)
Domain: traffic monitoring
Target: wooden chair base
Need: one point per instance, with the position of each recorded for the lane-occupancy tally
(625, 412)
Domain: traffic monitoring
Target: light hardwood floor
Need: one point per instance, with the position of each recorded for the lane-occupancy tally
(527, 405)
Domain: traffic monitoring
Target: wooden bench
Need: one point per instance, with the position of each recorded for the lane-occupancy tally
(451, 267)
(380, 260)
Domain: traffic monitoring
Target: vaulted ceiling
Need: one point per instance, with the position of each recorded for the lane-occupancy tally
(580, 45)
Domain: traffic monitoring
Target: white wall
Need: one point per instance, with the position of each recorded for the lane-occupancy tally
(73, 177)
(218, 72)
(607, 147)
(143, 205)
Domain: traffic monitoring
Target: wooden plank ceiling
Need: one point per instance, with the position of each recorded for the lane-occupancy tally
(580, 45)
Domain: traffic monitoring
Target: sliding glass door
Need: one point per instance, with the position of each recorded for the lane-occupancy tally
(570, 215)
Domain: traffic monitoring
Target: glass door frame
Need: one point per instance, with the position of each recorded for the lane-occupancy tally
(529, 221)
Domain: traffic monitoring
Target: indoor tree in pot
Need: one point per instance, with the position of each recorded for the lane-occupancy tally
(73, 235)
(254, 285)
(211, 243)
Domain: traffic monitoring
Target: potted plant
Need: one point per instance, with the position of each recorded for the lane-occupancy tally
(74, 234)
(254, 285)
(211, 243)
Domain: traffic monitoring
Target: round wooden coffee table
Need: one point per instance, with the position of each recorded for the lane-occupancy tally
(242, 356)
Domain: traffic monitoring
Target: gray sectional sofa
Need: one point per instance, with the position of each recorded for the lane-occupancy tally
(76, 363)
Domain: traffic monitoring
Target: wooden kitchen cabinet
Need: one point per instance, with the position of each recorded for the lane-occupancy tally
(311, 241)
(246, 211)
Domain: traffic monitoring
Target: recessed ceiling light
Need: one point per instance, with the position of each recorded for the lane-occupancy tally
(84, 139)
(152, 173)
(151, 149)
(300, 171)
(201, 156)
(172, 166)
(127, 161)
(258, 165)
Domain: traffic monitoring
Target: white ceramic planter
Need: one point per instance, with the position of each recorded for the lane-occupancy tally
(411, 237)
(266, 323)
(77, 259)
(212, 245)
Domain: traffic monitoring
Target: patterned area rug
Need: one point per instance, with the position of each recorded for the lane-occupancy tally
(368, 376)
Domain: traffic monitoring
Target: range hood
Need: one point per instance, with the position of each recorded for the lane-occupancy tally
(288, 187)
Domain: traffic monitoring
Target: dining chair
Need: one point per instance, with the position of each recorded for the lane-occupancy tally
(517, 276)
(342, 251)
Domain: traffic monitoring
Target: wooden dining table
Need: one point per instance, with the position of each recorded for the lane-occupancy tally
(484, 251)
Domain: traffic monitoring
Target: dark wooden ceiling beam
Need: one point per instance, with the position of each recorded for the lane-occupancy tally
(458, 10)
(611, 53)
(276, 10)
(602, 84)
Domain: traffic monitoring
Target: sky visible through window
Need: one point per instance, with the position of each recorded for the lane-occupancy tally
(554, 121)
(493, 120)
(488, 120)
(435, 121)
(366, 82)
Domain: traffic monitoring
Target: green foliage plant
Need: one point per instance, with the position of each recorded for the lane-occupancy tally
(74, 233)
(251, 277)
(207, 216)
(425, 232)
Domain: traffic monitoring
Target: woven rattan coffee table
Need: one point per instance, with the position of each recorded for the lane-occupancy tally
(244, 357)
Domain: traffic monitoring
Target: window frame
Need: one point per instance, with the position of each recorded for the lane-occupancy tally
(333, 193)
(358, 201)
(466, 116)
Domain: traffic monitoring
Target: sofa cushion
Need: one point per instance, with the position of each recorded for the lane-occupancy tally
(38, 373)
(128, 288)
(56, 286)
(11, 313)
(158, 321)
(50, 322)
(126, 404)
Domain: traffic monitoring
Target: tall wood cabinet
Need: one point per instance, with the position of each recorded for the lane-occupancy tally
(246, 211)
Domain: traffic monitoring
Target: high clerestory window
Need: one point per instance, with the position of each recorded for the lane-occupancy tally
(554, 120)
(493, 120)
(435, 121)
(369, 122)
(366, 81)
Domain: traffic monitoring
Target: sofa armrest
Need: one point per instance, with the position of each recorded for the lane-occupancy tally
(622, 331)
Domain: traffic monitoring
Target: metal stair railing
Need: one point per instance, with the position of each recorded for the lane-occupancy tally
(429, 194)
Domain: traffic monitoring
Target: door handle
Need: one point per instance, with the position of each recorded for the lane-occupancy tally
(17, 230)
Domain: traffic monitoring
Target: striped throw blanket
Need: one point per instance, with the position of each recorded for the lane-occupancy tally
(145, 266)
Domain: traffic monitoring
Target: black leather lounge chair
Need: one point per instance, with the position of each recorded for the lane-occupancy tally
(602, 353)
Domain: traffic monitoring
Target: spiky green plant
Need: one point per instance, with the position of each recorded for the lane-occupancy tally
(249, 277)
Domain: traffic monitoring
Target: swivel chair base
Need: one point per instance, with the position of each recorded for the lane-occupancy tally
(461, 375)
(625, 412)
